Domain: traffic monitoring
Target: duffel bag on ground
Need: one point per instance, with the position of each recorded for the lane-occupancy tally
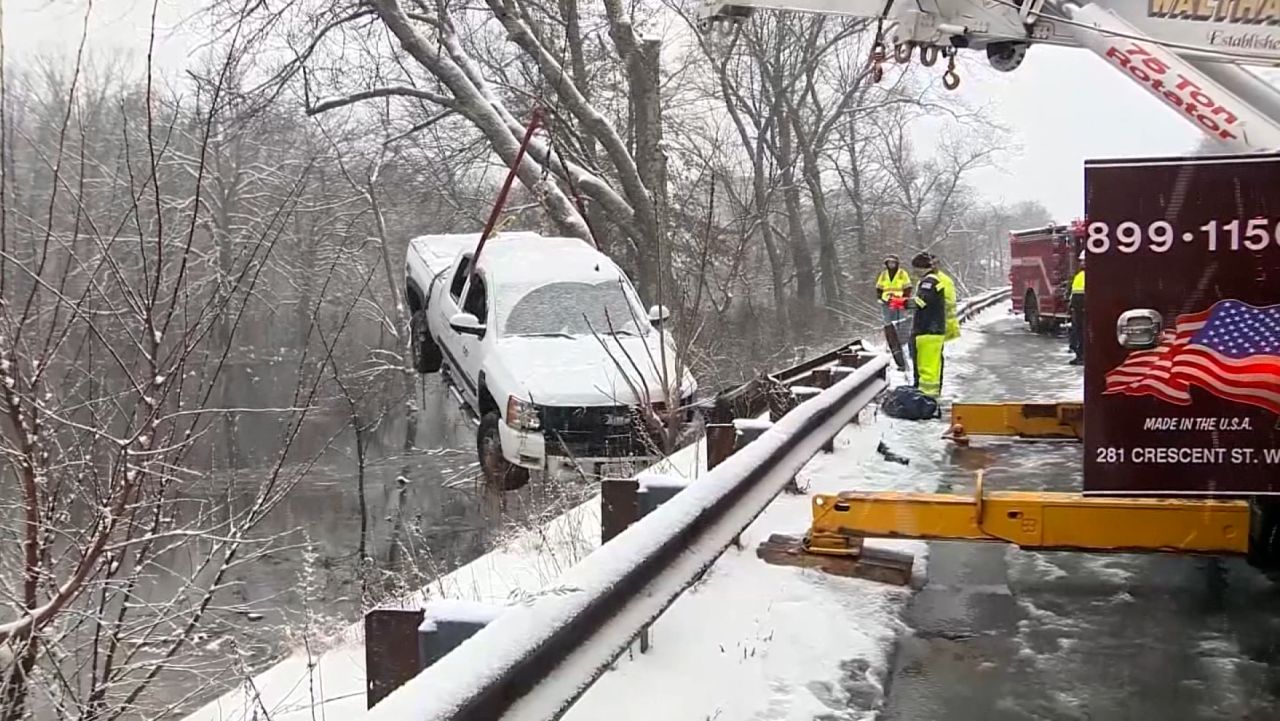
(908, 403)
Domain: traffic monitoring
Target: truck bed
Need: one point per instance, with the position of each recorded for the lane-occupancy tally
(430, 255)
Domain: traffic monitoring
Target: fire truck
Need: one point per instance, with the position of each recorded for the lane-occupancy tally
(1042, 262)
(1182, 359)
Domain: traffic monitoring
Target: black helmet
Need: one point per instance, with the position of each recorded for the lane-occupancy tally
(922, 260)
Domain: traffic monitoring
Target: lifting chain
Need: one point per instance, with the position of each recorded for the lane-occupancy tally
(541, 189)
(950, 79)
(928, 55)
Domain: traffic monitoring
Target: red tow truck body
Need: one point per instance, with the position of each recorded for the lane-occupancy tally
(1043, 261)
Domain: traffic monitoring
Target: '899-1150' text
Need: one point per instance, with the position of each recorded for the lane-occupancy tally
(1255, 234)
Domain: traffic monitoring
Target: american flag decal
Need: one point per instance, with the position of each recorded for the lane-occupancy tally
(1231, 350)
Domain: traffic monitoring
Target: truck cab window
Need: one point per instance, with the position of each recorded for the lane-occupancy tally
(476, 303)
(460, 277)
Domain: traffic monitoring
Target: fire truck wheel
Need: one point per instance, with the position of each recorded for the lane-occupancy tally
(1031, 312)
(499, 473)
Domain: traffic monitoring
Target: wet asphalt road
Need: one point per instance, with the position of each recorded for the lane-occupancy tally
(1000, 634)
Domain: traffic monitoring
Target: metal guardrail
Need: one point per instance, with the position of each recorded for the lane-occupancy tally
(536, 658)
(977, 303)
(750, 399)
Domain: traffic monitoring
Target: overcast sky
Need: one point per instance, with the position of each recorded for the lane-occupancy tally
(1062, 106)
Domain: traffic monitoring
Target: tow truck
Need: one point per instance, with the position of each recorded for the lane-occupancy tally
(1182, 363)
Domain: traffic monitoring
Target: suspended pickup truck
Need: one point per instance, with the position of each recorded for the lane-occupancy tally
(547, 343)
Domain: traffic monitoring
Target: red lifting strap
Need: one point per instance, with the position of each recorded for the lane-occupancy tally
(535, 122)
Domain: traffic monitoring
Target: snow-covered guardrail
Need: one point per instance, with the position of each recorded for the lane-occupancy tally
(975, 304)
(536, 658)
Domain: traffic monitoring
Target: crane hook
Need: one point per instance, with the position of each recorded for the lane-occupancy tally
(902, 53)
(950, 79)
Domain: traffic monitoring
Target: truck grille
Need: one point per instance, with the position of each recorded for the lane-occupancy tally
(595, 431)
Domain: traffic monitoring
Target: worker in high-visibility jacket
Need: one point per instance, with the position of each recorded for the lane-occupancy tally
(893, 287)
(1075, 338)
(949, 292)
(928, 326)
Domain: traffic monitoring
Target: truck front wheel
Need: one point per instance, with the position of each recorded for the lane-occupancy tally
(426, 354)
(498, 472)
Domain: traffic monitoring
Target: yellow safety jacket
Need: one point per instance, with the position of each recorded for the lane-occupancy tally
(892, 287)
(948, 287)
(1077, 283)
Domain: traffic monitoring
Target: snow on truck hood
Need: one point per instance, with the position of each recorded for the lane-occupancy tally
(568, 372)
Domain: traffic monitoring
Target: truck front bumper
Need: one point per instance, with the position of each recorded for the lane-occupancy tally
(528, 449)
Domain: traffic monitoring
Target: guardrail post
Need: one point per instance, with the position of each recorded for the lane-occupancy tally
(618, 506)
(824, 378)
(720, 440)
(390, 650)
(654, 491)
(400, 642)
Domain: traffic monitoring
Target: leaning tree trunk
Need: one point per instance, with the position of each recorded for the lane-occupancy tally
(656, 278)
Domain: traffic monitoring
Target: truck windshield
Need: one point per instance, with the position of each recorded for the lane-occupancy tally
(576, 309)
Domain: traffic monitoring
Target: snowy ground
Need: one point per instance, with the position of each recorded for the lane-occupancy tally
(749, 641)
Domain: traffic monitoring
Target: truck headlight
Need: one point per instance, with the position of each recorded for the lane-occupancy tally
(522, 415)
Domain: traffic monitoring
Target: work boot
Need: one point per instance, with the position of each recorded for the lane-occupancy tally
(1076, 361)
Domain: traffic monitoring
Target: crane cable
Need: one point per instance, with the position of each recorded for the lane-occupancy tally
(878, 52)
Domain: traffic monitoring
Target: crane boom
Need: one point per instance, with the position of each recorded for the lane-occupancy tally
(1186, 53)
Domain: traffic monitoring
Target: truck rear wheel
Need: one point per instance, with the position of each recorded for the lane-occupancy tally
(499, 473)
(426, 354)
(1031, 311)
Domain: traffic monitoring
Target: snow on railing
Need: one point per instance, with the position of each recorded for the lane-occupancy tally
(535, 658)
(975, 304)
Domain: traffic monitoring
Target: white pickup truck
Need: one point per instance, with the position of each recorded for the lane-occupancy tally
(548, 345)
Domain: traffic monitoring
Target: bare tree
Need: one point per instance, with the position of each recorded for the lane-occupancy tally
(140, 232)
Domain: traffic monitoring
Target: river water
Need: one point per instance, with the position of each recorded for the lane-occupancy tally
(425, 513)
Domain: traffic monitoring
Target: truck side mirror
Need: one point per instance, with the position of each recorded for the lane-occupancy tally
(467, 324)
(1138, 328)
(658, 314)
